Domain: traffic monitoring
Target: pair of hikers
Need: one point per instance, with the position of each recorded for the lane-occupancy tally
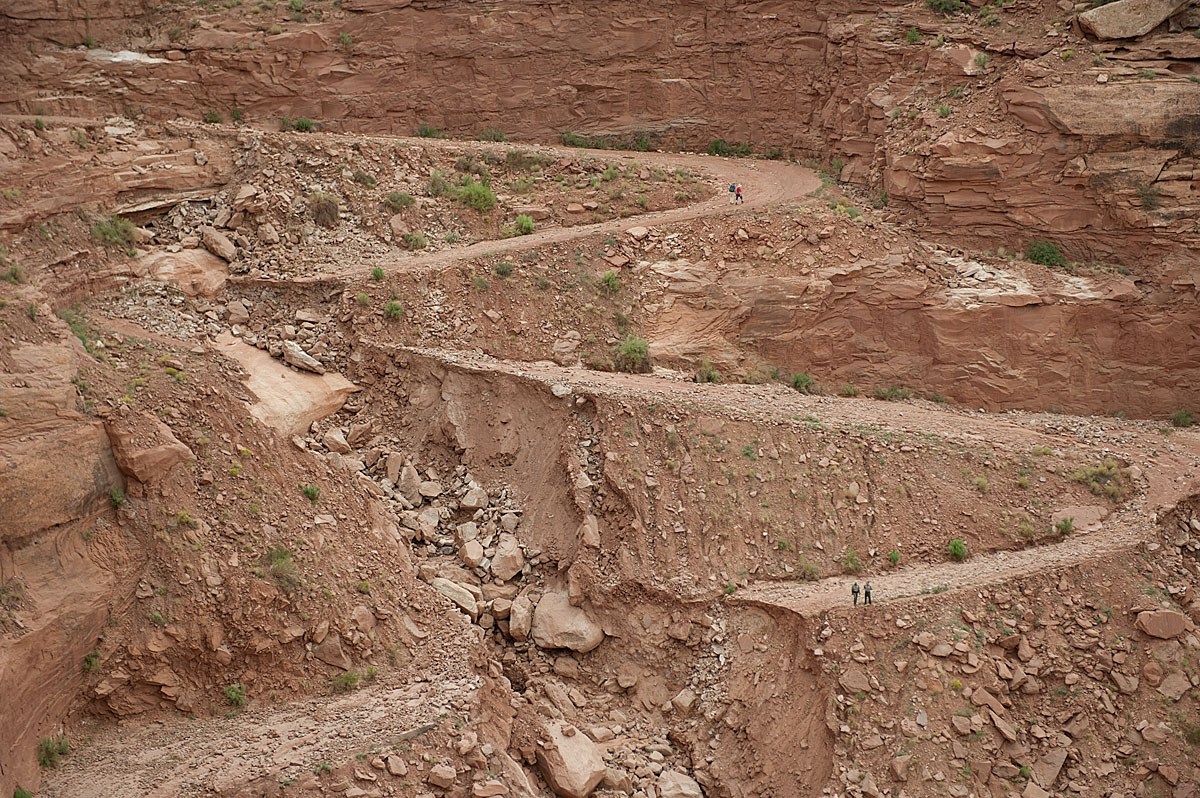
(735, 193)
(866, 593)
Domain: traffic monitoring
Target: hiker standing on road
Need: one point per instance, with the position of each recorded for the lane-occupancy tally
(867, 593)
(854, 592)
(732, 193)
(738, 194)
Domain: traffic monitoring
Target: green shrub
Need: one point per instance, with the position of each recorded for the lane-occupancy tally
(807, 571)
(981, 484)
(633, 355)
(893, 393)
(345, 39)
(429, 132)
(363, 178)
(324, 208)
(116, 497)
(311, 492)
(235, 694)
(943, 111)
(414, 241)
(114, 231)
(722, 147)
(393, 309)
(91, 662)
(1045, 253)
(946, 7)
(912, 36)
(707, 373)
(1107, 479)
(479, 283)
(21, 792)
(802, 382)
(610, 282)
(346, 682)
(1149, 195)
(476, 195)
(51, 749)
(492, 134)
(848, 390)
(398, 200)
(851, 562)
(957, 549)
(503, 269)
(523, 224)
(89, 42)
(363, 300)
(281, 565)
(213, 117)
(730, 588)
(377, 273)
(438, 185)
(303, 125)
(1065, 526)
(894, 557)
(1182, 419)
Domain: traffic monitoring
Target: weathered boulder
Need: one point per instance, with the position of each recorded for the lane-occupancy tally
(556, 624)
(295, 356)
(520, 618)
(218, 243)
(330, 652)
(458, 594)
(1163, 624)
(569, 761)
(335, 441)
(144, 447)
(673, 784)
(1127, 19)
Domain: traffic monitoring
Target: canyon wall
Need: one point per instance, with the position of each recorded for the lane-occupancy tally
(991, 136)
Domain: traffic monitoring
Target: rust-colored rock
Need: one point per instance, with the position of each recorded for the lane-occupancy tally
(145, 448)
(1163, 624)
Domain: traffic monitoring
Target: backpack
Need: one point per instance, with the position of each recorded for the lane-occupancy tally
(732, 188)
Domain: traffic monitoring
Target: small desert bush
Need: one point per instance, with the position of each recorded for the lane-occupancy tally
(957, 548)
(1107, 479)
(363, 178)
(52, 749)
(477, 195)
(324, 208)
(113, 231)
(523, 225)
(1182, 418)
(492, 134)
(706, 372)
(633, 355)
(802, 382)
(235, 694)
(610, 282)
(398, 201)
(1045, 253)
(282, 567)
(429, 132)
(393, 309)
(414, 241)
(851, 562)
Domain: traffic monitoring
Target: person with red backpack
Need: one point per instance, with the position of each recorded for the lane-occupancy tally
(738, 194)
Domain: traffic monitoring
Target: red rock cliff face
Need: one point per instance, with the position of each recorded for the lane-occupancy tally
(1034, 146)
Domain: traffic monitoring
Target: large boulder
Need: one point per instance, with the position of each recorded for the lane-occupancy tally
(673, 784)
(1127, 19)
(145, 448)
(520, 618)
(1163, 624)
(569, 761)
(218, 243)
(556, 624)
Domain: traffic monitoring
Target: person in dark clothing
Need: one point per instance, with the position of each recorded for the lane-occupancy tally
(854, 592)
(867, 593)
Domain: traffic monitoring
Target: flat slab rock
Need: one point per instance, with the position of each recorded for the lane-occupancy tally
(1127, 19)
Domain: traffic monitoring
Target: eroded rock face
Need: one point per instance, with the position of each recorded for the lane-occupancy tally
(556, 624)
(569, 761)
